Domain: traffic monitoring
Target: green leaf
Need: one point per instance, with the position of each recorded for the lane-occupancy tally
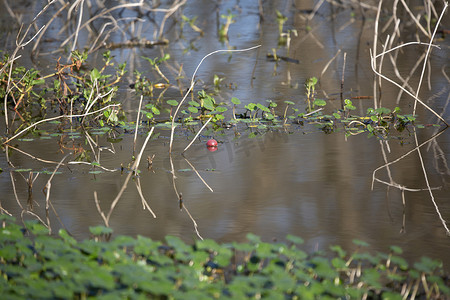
(338, 250)
(221, 109)
(99, 230)
(193, 103)
(383, 111)
(38, 81)
(235, 101)
(360, 243)
(371, 277)
(270, 116)
(396, 249)
(95, 74)
(320, 102)
(251, 106)
(155, 110)
(391, 296)
(208, 103)
(295, 239)
(193, 109)
(172, 102)
(252, 238)
(262, 107)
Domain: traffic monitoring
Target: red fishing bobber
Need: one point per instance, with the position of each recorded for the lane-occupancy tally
(212, 145)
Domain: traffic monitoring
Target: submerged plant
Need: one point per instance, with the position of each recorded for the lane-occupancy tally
(155, 62)
(223, 31)
(310, 85)
(281, 19)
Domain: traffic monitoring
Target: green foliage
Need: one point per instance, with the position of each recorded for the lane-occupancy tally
(96, 87)
(47, 267)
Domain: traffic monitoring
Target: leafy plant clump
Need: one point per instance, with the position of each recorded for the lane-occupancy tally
(34, 264)
(70, 88)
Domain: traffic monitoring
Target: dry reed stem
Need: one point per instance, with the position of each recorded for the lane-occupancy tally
(93, 146)
(192, 86)
(177, 4)
(47, 194)
(101, 14)
(90, 164)
(47, 25)
(428, 185)
(417, 22)
(199, 176)
(180, 198)
(137, 123)
(14, 190)
(315, 9)
(313, 112)
(32, 156)
(80, 4)
(144, 202)
(428, 53)
(133, 170)
(19, 45)
(418, 150)
(406, 91)
(403, 156)
(198, 133)
(402, 187)
(89, 106)
(193, 221)
(56, 118)
(34, 215)
(97, 204)
(329, 63)
(424, 171)
(375, 43)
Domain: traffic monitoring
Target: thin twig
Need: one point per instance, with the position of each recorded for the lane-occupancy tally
(133, 170)
(48, 187)
(97, 204)
(428, 53)
(404, 155)
(201, 178)
(137, 124)
(144, 202)
(329, 63)
(406, 91)
(198, 133)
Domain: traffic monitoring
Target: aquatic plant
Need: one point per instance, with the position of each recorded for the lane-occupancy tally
(34, 264)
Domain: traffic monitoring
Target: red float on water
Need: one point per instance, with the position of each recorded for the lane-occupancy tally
(211, 143)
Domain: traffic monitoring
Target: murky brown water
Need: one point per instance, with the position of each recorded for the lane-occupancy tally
(296, 180)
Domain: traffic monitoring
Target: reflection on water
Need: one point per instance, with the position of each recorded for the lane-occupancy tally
(296, 180)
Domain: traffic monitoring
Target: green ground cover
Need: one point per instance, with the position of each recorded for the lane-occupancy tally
(35, 265)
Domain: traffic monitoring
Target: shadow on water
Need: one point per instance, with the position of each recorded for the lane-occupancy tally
(292, 179)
